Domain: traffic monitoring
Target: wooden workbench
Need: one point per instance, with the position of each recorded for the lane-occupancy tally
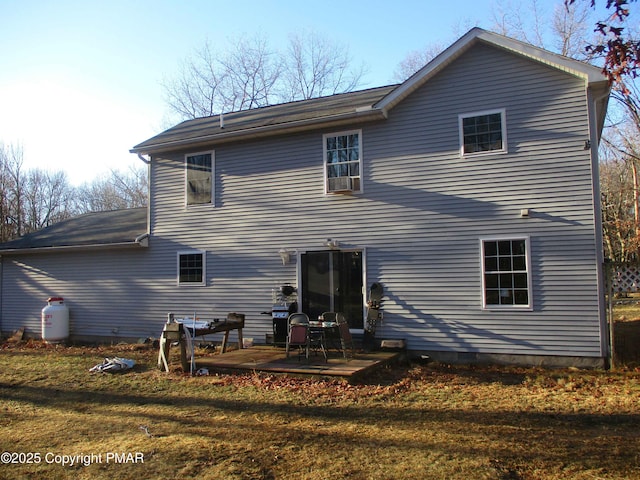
(181, 333)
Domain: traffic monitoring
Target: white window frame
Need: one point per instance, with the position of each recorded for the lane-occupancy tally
(204, 268)
(211, 202)
(324, 158)
(503, 118)
(527, 240)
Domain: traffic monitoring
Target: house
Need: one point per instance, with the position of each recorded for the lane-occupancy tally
(470, 192)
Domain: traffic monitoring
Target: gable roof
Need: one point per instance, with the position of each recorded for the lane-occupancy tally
(592, 75)
(366, 105)
(116, 228)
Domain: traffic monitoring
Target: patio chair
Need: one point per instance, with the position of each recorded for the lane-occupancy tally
(346, 341)
(329, 316)
(298, 319)
(298, 334)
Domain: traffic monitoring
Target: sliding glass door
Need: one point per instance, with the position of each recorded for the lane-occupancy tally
(332, 282)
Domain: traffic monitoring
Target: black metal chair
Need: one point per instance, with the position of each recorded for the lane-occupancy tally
(298, 334)
(298, 319)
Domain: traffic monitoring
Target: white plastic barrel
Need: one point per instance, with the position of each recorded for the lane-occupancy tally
(55, 321)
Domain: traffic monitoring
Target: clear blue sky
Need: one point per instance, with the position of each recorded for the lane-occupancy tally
(80, 79)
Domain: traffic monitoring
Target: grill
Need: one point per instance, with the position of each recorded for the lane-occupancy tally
(285, 302)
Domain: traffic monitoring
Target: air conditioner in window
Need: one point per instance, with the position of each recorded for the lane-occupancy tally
(340, 184)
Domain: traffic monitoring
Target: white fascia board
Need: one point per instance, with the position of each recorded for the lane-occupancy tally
(65, 248)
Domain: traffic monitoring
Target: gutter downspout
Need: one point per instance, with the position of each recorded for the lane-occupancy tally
(606, 325)
(147, 162)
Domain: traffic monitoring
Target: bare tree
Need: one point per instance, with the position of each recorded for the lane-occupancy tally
(315, 66)
(211, 82)
(132, 185)
(5, 233)
(14, 189)
(618, 211)
(99, 195)
(249, 74)
(564, 29)
(525, 22)
(618, 46)
(567, 32)
(570, 29)
(195, 92)
(623, 145)
(47, 199)
(414, 61)
(30, 199)
(116, 191)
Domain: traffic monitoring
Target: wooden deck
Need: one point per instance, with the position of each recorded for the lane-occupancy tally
(273, 359)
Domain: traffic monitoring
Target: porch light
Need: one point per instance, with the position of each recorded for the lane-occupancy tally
(285, 255)
(332, 244)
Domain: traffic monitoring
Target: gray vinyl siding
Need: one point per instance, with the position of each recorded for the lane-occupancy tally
(422, 214)
(107, 292)
(546, 169)
(420, 219)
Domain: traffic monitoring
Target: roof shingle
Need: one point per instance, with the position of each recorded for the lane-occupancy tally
(90, 229)
(275, 116)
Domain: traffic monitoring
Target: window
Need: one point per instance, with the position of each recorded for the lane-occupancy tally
(483, 132)
(199, 178)
(506, 277)
(191, 268)
(343, 161)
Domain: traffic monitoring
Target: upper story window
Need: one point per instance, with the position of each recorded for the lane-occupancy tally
(343, 161)
(191, 267)
(506, 277)
(199, 178)
(483, 132)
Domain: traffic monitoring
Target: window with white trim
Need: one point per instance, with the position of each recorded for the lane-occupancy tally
(483, 132)
(199, 178)
(192, 267)
(506, 280)
(343, 161)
